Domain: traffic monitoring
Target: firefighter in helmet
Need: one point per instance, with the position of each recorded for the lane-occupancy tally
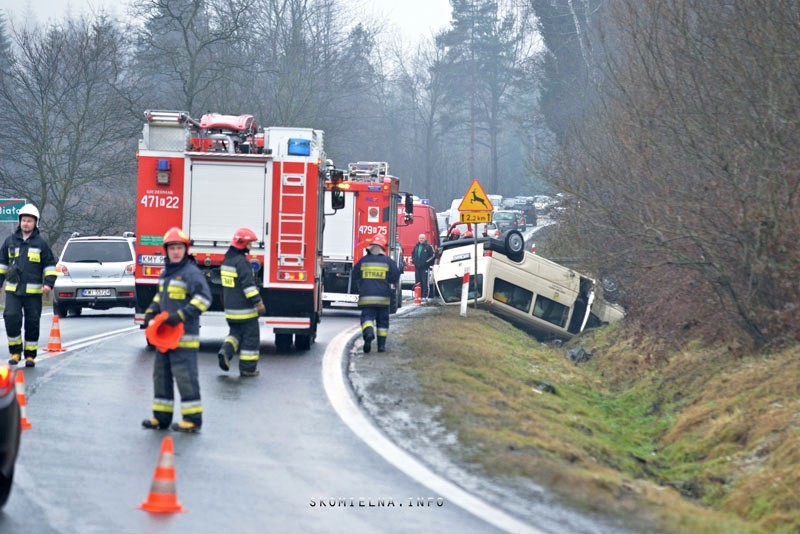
(184, 293)
(243, 305)
(27, 271)
(376, 273)
(454, 235)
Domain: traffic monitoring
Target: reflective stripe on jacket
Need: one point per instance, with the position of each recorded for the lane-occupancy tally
(240, 295)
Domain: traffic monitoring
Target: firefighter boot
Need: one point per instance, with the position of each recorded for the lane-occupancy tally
(224, 361)
(30, 361)
(254, 372)
(381, 344)
(154, 424)
(185, 426)
(369, 335)
(14, 359)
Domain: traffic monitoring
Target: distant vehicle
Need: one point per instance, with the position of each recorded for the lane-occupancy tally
(508, 220)
(424, 222)
(532, 292)
(95, 272)
(9, 431)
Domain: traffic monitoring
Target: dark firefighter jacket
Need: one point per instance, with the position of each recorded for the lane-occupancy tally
(182, 288)
(26, 265)
(376, 273)
(239, 292)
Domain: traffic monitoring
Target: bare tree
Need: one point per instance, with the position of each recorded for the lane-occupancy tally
(688, 168)
(67, 141)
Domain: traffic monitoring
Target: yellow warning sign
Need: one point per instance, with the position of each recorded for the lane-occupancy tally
(475, 199)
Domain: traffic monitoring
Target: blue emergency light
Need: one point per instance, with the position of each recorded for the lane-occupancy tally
(299, 147)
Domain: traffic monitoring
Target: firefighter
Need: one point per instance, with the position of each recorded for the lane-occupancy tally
(27, 271)
(376, 273)
(184, 293)
(454, 235)
(243, 305)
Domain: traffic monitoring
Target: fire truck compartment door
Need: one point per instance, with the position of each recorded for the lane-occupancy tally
(337, 240)
(225, 196)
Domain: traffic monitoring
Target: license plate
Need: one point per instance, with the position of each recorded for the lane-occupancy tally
(461, 257)
(96, 292)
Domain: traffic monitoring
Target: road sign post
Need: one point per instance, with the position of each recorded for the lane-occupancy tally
(9, 209)
(475, 207)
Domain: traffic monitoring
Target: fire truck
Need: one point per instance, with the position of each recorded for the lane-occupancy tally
(220, 173)
(371, 196)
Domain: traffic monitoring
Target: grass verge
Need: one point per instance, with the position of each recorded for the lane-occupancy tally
(698, 442)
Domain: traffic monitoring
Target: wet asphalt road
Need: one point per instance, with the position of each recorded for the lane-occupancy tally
(273, 455)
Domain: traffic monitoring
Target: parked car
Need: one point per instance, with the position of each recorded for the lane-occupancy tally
(9, 431)
(508, 220)
(95, 272)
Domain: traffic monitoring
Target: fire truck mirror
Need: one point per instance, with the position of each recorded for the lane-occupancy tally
(337, 195)
(409, 204)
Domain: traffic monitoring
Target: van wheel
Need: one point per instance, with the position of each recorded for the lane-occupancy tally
(283, 342)
(515, 246)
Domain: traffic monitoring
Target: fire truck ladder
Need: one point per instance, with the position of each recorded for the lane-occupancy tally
(292, 224)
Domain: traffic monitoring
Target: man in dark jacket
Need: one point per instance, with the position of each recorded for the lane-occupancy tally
(184, 293)
(375, 273)
(422, 257)
(243, 305)
(27, 271)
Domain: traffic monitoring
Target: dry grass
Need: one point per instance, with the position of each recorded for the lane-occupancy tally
(698, 441)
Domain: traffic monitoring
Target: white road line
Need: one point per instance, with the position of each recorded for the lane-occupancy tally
(339, 396)
(86, 341)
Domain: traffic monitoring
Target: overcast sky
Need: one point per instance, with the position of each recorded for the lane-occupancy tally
(413, 18)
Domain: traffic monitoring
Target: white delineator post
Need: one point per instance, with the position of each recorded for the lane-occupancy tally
(464, 294)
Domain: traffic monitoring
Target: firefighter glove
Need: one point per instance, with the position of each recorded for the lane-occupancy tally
(174, 318)
(147, 318)
(261, 309)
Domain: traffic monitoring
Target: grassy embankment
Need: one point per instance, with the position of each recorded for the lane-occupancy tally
(702, 442)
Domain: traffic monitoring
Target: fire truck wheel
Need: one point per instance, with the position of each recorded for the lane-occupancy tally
(302, 341)
(283, 342)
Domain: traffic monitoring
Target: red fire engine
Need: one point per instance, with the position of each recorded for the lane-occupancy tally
(212, 176)
(371, 197)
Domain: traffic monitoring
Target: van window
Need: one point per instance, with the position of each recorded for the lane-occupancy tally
(550, 311)
(512, 295)
(451, 289)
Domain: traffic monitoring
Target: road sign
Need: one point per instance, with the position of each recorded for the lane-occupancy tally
(9, 209)
(475, 199)
(476, 216)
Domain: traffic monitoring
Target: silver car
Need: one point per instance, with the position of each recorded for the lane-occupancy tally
(95, 272)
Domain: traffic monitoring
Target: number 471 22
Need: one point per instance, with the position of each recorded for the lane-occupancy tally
(157, 201)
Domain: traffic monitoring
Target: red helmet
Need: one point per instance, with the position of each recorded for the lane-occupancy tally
(242, 237)
(176, 235)
(468, 233)
(456, 232)
(380, 240)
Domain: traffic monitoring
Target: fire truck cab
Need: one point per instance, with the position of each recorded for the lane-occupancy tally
(212, 176)
(370, 196)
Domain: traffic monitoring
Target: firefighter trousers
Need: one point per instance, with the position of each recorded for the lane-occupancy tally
(31, 307)
(244, 339)
(179, 365)
(377, 318)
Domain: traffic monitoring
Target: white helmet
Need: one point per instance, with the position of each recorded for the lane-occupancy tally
(29, 209)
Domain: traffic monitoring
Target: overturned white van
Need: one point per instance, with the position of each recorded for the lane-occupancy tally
(540, 296)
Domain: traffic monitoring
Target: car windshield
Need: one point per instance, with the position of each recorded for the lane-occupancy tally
(99, 251)
(504, 216)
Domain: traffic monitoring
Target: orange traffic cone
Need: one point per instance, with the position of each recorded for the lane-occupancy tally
(417, 294)
(162, 497)
(54, 345)
(19, 389)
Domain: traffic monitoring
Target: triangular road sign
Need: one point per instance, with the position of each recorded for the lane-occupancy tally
(475, 199)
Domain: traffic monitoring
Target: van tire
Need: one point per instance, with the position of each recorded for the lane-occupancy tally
(515, 246)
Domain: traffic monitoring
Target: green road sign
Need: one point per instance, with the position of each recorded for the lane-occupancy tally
(9, 208)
